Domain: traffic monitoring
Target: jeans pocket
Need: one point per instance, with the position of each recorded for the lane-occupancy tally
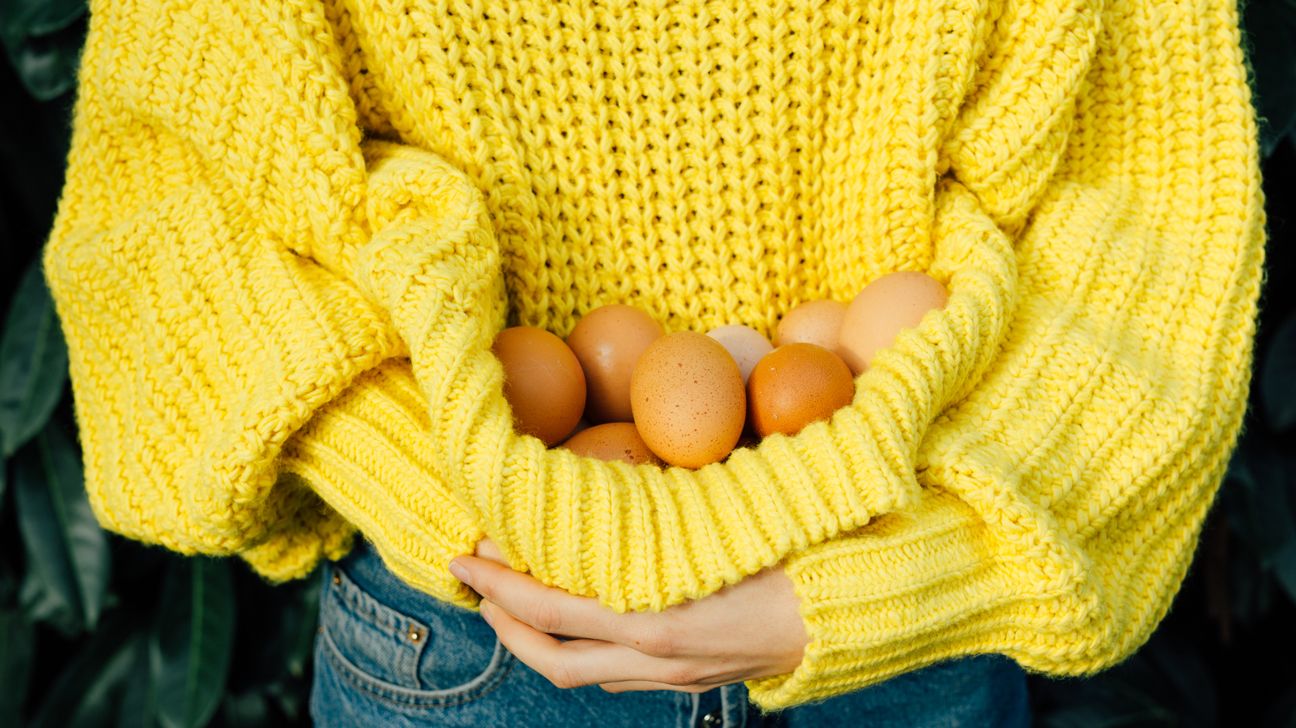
(424, 654)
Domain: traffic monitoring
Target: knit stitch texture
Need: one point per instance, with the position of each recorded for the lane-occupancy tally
(291, 230)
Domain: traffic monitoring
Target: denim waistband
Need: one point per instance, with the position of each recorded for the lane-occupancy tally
(366, 568)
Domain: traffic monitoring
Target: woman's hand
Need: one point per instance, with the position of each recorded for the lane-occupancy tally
(747, 631)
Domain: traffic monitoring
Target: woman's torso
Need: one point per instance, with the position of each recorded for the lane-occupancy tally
(711, 162)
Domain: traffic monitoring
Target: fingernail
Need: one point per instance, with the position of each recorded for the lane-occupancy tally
(485, 608)
(460, 572)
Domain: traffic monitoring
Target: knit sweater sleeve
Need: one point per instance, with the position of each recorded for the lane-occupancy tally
(235, 392)
(1064, 496)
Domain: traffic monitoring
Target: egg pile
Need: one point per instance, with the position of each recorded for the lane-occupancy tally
(621, 388)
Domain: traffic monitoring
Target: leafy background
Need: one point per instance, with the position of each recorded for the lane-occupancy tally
(87, 637)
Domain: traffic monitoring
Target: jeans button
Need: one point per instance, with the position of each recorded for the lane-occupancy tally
(711, 719)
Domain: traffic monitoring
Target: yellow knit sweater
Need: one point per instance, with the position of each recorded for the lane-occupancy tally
(291, 230)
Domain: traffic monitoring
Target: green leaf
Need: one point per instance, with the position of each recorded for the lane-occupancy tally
(43, 41)
(22, 18)
(193, 641)
(33, 361)
(85, 693)
(1283, 563)
(246, 710)
(1248, 585)
(1258, 477)
(16, 640)
(42, 606)
(65, 546)
(300, 620)
(47, 66)
(1278, 377)
(288, 700)
(8, 582)
(1180, 666)
(98, 706)
(139, 702)
(281, 637)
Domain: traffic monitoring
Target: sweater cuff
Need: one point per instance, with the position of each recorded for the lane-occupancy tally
(367, 455)
(302, 530)
(908, 590)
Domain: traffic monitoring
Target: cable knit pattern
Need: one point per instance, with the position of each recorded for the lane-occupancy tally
(291, 231)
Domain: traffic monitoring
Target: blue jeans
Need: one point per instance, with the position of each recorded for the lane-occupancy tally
(388, 655)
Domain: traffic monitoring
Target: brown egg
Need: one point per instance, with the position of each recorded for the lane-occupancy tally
(612, 441)
(608, 342)
(543, 382)
(795, 385)
(884, 308)
(688, 399)
(813, 322)
(745, 344)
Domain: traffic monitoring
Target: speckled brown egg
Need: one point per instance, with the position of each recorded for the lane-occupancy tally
(795, 385)
(745, 344)
(688, 399)
(543, 382)
(608, 341)
(612, 441)
(882, 310)
(813, 322)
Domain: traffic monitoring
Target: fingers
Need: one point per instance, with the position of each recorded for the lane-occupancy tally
(486, 549)
(554, 611)
(628, 686)
(580, 662)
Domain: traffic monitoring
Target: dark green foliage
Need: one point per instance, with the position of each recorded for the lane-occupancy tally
(33, 362)
(191, 645)
(1167, 683)
(90, 683)
(96, 630)
(1276, 380)
(65, 548)
(15, 663)
(42, 39)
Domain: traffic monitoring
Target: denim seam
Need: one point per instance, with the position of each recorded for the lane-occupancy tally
(353, 608)
(366, 608)
(490, 678)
